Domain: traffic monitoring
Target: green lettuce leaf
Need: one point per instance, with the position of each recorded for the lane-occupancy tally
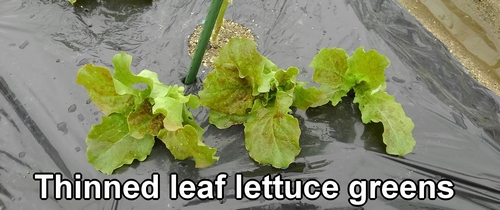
(307, 97)
(241, 54)
(221, 120)
(368, 68)
(172, 110)
(381, 107)
(184, 143)
(193, 102)
(158, 89)
(285, 80)
(99, 83)
(225, 92)
(142, 121)
(330, 71)
(188, 118)
(124, 79)
(271, 134)
(109, 145)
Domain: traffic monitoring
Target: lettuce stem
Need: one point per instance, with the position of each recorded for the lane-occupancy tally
(208, 27)
(214, 40)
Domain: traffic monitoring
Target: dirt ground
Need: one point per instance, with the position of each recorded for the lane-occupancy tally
(471, 31)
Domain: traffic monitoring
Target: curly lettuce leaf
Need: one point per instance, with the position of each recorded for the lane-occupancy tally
(330, 71)
(142, 121)
(99, 83)
(124, 79)
(271, 134)
(185, 143)
(221, 120)
(158, 89)
(172, 110)
(241, 54)
(286, 80)
(307, 97)
(368, 68)
(110, 145)
(381, 107)
(225, 92)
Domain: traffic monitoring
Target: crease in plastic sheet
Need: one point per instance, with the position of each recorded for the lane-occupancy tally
(45, 116)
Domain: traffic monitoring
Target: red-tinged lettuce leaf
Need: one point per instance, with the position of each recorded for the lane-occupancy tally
(307, 97)
(271, 134)
(222, 121)
(142, 121)
(185, 143)
(368, 69)
(110, 146)
(173, 105)
(172, 110)
(330, 71)
(381, 107)
(124, 79)
(99, 83)
(224, 91)
(241, 53)
(285, 80)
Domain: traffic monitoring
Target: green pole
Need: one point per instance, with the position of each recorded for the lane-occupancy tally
(208, 27)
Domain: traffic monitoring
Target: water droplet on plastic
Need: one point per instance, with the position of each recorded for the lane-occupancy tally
(72, 108)
(22, 154)
(62, 127)
(398, 80)
(77, 149)
(58, 60)
(80, 117)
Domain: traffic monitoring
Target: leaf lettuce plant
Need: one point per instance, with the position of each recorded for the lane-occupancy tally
(338, 73)
(134, 117)
(247, 88)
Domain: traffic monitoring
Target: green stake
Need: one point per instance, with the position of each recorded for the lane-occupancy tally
(208, 27)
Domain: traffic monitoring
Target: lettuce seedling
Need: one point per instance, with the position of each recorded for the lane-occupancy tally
(134, 117)
(247, 88)
(338, 73)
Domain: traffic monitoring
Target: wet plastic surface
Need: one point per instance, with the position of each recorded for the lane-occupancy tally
(45, 115)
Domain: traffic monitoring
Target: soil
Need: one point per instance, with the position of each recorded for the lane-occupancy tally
(469, 29)
(228, 30)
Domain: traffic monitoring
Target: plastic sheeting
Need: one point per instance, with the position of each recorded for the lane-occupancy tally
(45, 115)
